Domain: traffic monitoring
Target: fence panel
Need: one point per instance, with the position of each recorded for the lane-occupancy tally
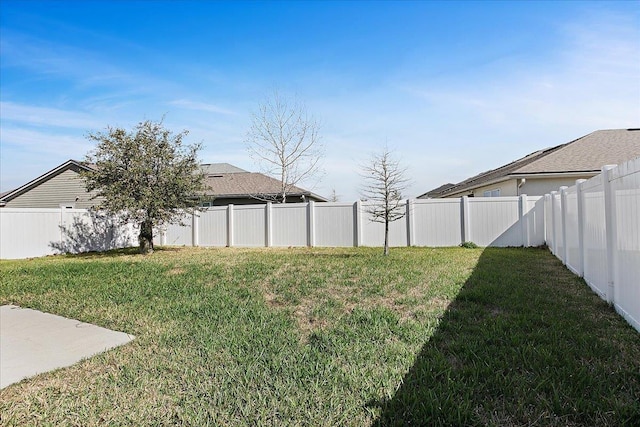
(534, 218)
(179, 234)
(373, 232)
(594, 235)
(494, 221)
(558, 243)
(571, 230)
(249, 225)
(334, 224)
(289, 222)
(213, 226)
(626, 190)
(437, 222)
(28, 233)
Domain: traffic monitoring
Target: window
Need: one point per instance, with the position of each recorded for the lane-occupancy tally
(492, 193)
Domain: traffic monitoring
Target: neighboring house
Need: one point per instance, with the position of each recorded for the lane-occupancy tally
(547, 170)
(64, 187)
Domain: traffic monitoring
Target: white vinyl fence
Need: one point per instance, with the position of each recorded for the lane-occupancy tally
(27, 233)
(594, 228)
(503, 221)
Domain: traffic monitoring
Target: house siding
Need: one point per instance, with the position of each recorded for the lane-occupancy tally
(507, 188)
(542, 186)
(531, 187)
(62, 188)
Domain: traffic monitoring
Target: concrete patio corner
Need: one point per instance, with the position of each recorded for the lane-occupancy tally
(33, 342)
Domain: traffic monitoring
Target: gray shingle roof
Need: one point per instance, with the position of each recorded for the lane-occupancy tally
(248, 184)
(589, 153)
(585, 154)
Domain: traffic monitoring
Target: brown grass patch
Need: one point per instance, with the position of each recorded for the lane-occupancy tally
(175, 271)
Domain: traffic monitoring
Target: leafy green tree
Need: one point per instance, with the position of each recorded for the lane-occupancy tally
(146, 176)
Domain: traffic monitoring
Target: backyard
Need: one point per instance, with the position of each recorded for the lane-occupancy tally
(453, 336)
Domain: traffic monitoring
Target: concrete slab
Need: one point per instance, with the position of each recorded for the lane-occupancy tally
(33, 342)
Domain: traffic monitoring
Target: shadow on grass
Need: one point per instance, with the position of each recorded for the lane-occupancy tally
(524, 343)
(115, 253)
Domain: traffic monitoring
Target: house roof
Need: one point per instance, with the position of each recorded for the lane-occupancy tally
(250, 184)
(438, 190)
(586, 154)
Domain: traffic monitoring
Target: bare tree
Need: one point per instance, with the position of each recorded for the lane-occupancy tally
(334, 197)
(284, 140)
(384, 183)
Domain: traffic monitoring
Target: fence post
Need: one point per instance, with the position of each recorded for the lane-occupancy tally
(195, 228)
(545, 226)
(524, 224)
(311, 224)
(580, 200)
(410, 223)
(466, 223)
(267, 226)
(563, 218)
(230, 225)
(357, 223)
(610, 231)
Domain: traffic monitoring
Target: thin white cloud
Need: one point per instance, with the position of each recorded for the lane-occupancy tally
(201, 106)
(70, 146)
(43, 116)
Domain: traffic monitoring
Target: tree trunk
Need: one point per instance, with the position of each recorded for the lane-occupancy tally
(386, 236)
(145, 238)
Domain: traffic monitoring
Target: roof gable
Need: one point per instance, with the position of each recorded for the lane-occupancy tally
(68, 165)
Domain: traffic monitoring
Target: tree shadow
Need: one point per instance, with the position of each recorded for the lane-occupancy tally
(524, 343)
(92, 232)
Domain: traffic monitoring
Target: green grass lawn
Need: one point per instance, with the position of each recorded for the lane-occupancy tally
(329, 337)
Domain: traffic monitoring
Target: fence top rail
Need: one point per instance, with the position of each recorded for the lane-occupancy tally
(42, 210)
(631, 167)
(501, 199)
(592, 183)
(334, 204)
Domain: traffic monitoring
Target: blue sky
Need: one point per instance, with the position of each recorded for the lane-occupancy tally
(453, 88)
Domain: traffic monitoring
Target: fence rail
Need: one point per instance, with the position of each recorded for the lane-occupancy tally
(594, 228)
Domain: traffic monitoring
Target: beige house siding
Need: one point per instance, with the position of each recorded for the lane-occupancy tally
(542, 186)
(65, 188)
(531, 186)
(507, 188)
